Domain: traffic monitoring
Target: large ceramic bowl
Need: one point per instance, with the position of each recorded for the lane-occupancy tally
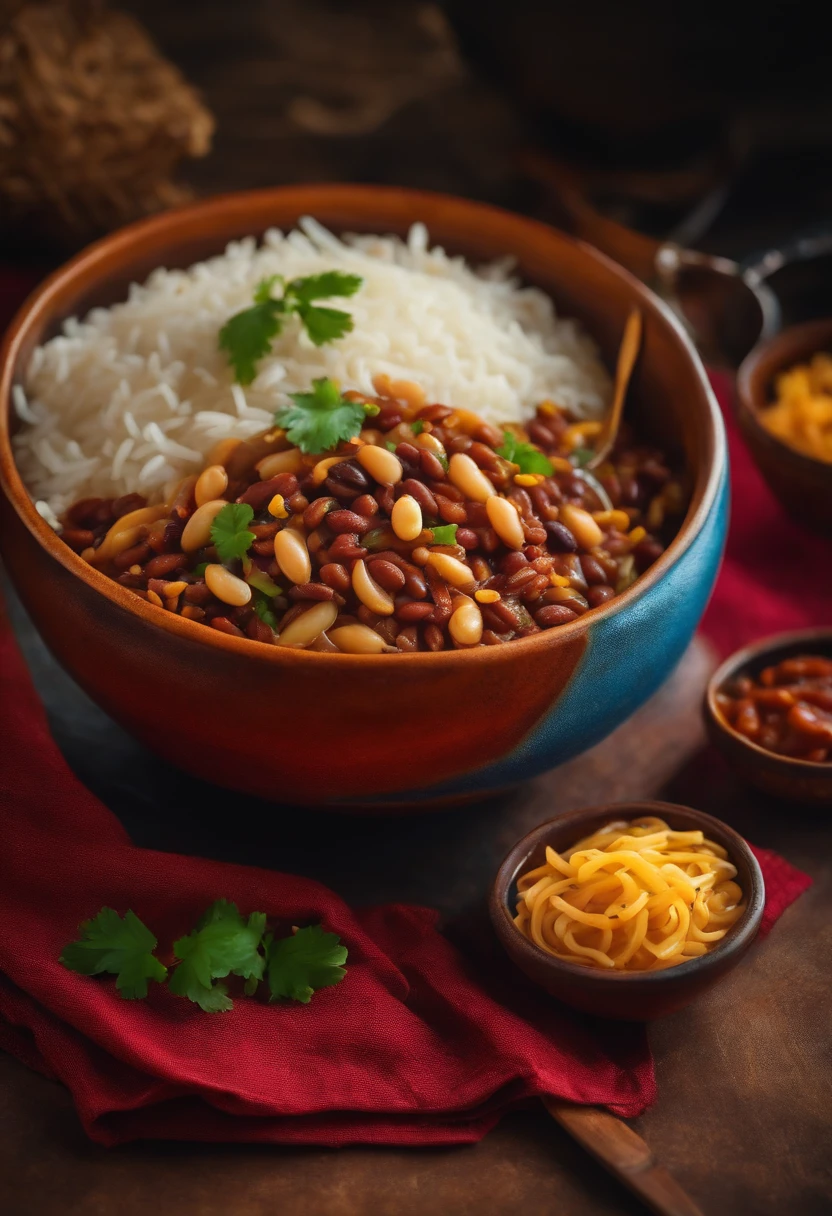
(390, 730)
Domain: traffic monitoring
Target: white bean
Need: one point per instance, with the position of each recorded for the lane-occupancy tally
(383, 466)
(197, 532)
(469, 478)
(305, 629)
(504, 519)
(211, 483)
(368, 591)
(465, 625)
(226, 586)
(582, 526)
(406, 517)
(292, 555)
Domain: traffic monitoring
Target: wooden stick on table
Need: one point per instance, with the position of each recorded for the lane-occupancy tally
(623, 1152)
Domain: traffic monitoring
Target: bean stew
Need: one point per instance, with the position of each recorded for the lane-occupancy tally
(431, 530)
(787, 709)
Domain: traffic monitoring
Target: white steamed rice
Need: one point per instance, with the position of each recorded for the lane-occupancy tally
(134, 396)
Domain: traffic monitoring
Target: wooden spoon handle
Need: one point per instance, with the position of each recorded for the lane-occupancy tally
(627, 355)
(625, 1155)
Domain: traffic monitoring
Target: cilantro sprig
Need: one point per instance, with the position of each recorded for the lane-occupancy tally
(120, 946)
(224, 943)
(322, 419)
(247, 335)
(229, 531)
(529, 458)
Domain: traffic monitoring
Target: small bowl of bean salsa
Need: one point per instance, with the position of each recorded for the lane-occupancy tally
(769, 709)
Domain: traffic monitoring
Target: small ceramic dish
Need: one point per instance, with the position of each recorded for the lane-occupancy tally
(783, 776)
(632, 996)
(803, 485)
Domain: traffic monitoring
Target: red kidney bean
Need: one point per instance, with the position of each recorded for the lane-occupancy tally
(594, 573)
(407, 639)
(263, 547)
(126, 504)
(554, 614)
(164, 564)
(297, 503)
(459, 443)
(197, 593)
(388, 417)
(317, 510)
(559, 537)
(513, 562)
(86, 512)
(434, 637)
(532, 591)
(259, 631)
(264, 531)
(490, 638)
(485, 457)
(223, 624)
(410, 611)
(468, 538)
(414, 583)
(344, 522)
(489, 540)
(136, 556)
(349, 473)
(386, 574)
(311, 591)
(366, 505)
(408, 454)
(540, 434)
(78, 538)
(479, 568)
(505, 612)
(447, 491)
(451, 512)
(260, 494)
(646, 552)
(419, 491)
(598, 595)
(340, 491)
(346, 547)
(431, 465)
(335, 576)
(385, 499)
(435, 413)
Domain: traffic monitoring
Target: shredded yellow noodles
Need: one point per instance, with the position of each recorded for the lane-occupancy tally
(632, 897)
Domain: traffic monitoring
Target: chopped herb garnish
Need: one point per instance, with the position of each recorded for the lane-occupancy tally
(298, 966)
(443, 460)
(229, 531)
(445, 535)
(262, 605)
(581, 457)
(247, 335)
(199, 571)
(320, 420)
(391, 447)
(258, 578)
(115, 946)
(417, 426)
(529, 458)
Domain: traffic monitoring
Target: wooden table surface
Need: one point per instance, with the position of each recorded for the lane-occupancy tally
(744, 1115)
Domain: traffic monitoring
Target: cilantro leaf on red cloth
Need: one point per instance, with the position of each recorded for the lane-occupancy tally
(222, 944)
(119, 946)
(299, 965)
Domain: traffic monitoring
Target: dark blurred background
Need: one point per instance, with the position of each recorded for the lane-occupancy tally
(711, 124)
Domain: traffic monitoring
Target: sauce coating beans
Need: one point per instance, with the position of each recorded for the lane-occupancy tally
(786, 710)
(418, 535)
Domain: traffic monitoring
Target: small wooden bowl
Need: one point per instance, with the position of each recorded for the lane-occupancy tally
(783, 776)
(803, 485)
(631, 996)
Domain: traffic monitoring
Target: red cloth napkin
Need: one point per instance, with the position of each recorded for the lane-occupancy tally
(776, 576)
